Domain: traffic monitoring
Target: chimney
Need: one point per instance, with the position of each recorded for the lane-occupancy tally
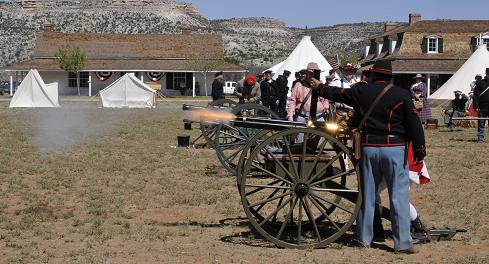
(414, 17)
(390, 26)
(186, 31)
(48, 28)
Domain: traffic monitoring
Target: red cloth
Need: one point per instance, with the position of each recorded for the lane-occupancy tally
(472, 111)
(250, 79)
(416, 170)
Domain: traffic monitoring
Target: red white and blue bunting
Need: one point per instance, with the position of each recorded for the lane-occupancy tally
(154, 76)
(103, 76)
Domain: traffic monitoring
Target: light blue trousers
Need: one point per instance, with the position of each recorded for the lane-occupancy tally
(388, 163)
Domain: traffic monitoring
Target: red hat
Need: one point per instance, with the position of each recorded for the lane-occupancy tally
(250, 79)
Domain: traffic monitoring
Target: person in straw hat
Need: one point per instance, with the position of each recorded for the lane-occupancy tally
(299, 104)
(419, 93)
(391, 125)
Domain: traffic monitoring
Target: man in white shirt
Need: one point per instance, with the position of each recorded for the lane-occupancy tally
(348, 78)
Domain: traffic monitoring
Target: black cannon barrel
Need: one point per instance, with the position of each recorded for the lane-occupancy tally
(187, 107)
(254, 122)
(266, 123)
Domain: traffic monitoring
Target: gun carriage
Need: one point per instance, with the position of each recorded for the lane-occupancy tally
(299, 183)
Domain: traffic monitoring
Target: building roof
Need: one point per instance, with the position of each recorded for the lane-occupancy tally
(422, 66)
(438, 26)
(132, 64)
(408, 57)
(449, 26)
(426, 66)
(149, 52)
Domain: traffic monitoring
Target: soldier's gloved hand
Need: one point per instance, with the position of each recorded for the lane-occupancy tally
(418, 156)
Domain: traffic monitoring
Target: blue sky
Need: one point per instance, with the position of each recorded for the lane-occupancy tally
(326, 13)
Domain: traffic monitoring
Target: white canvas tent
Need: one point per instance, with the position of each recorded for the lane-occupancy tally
(33, 92)
(304, 53)
(275, 68)
(476, 64)
(128, 92)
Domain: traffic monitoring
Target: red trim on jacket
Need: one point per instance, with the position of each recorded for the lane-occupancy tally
(381, 69)
(390, 119)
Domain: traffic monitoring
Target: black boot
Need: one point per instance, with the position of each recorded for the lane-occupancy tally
(419, 232)
(417, 226)
(379, 235)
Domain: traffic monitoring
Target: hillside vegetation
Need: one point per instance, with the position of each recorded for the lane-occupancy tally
(251, 41)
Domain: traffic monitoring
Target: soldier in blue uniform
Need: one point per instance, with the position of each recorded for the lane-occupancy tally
(392, 124)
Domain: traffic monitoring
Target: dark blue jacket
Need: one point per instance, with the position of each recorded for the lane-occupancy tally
(393, 122)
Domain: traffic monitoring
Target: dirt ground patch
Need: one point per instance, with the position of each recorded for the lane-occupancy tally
(114, 190)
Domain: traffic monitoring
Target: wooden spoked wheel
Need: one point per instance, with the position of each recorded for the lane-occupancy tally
(248, 149)
(209, 130)
(229, 141)
(304, 197)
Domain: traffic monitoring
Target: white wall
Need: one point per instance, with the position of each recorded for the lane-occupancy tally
(62, 79)
(199, 78)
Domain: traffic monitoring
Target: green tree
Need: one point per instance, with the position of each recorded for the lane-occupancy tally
(203, 65)
(348, 57)
(71, 59)
(344, 57)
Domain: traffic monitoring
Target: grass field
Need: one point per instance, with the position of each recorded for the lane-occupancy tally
(81, 184)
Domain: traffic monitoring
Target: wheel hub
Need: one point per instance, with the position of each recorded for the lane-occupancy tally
(301, 189)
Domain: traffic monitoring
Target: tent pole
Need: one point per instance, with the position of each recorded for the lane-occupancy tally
(193, 84)
(11, 84)
(89, 84)
(428, 85)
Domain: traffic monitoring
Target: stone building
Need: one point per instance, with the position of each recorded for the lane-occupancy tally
(434, 48)
(175, 63)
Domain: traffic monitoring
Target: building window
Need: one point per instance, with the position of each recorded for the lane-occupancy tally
(432, 45)
(485, 40)
(379, 48)
(393, 46)
(83, 79)
(179, 81)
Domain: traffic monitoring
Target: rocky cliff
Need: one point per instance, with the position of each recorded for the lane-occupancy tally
(252, 41)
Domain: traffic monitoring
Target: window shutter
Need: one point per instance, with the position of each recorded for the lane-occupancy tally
(473, 44)
(424, 45)
(169, 80)
(440, 45)
(473, 41)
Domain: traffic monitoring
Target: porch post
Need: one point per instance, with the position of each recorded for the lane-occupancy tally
(89, 84)
(142, 77)
(16, 80)
(428, 85)
(193, 84)
(11, 84)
